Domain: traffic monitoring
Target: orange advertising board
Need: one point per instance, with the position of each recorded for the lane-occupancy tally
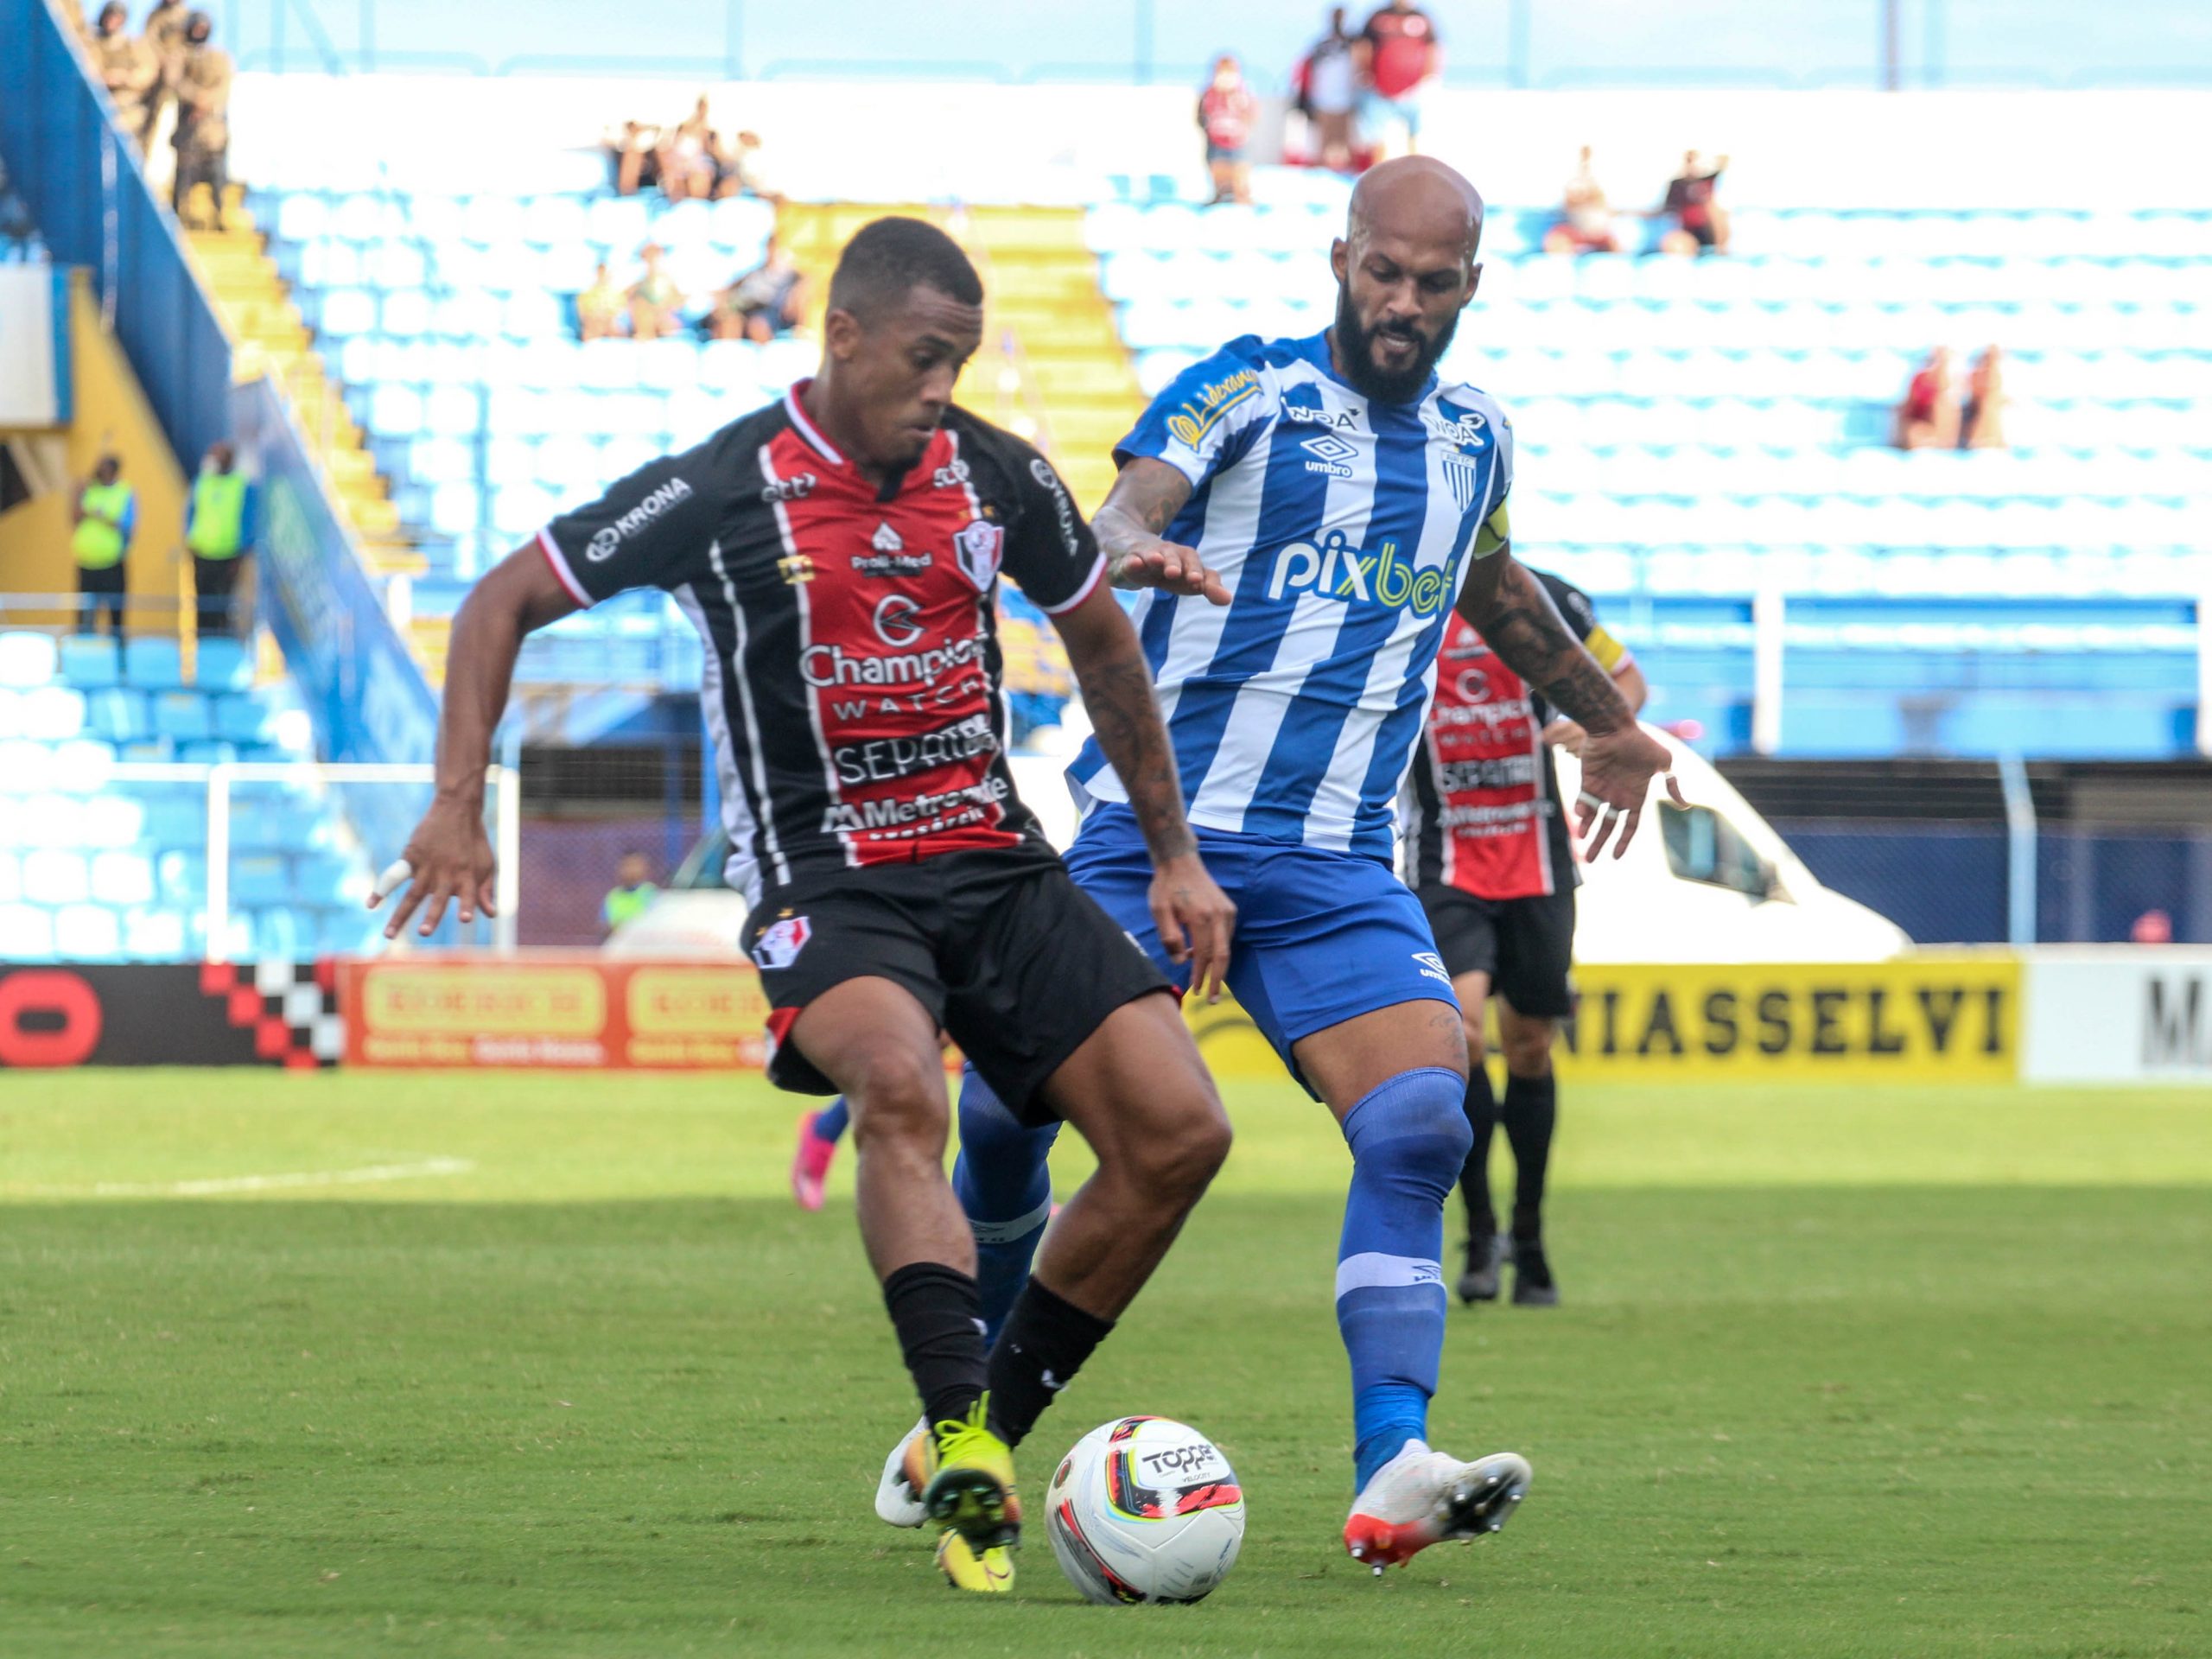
(561, 1012)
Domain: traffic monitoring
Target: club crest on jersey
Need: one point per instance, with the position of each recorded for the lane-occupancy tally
(976, 551)
(1337, 569)
(1465, 475)
(778, 945)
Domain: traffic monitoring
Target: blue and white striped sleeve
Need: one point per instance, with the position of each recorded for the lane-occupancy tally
(1208, 416)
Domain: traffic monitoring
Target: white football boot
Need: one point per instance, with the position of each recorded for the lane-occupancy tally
(1421, 1497)
(896, 1500)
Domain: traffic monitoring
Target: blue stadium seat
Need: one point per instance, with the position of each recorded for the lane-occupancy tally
(153, 663)
(25, 658)
(90, 661)
(55, 876)
(114, 820)
(183, 878)
(26, 934)
(52, 714)
(240, 719)
(117, 716)
(224, 665)
(122, 878)
(182, 715)
(259, 879)
(150, 935)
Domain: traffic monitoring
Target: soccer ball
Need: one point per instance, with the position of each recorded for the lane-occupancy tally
(1145, 1510)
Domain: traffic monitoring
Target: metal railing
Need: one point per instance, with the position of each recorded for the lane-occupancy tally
(503, 785)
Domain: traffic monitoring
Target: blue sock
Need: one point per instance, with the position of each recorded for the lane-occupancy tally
(829, 1123)
(1002, 1181)
(1408, 1138)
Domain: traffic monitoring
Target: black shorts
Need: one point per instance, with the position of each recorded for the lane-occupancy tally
(1008, 955)
(1525, 945)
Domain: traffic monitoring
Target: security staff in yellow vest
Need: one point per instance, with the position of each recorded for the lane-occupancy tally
(632, 894)
(219, 534)
(107, 513)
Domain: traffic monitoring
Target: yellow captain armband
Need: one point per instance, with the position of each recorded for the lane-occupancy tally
(1495, 533)
(1608, 650)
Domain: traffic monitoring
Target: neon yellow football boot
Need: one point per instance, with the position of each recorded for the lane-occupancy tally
(965, 1476)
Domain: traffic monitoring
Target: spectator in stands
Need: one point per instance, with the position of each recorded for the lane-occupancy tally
(632, 894)
(203, 123)
(219, 524)
(1329, 90)
(687, 168)
(107, 514)
(1404, 58)
(600, 307)
(1928, 416)
(745, 171)
(1981, 425)
(1585, 224)
(655, 300)
(634, 155)
(164, 31)
(129, 67)
(1701, 223)
(1226, 112)
(768, 300)
(2153, 927)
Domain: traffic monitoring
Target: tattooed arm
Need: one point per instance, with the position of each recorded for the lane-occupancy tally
(1143, 502)
(1194, 916)
(1516, 618)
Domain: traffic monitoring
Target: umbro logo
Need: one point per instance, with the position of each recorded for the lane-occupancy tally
(887, 540)
(1332, 456)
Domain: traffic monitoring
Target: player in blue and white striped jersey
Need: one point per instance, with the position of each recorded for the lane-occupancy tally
(1304, 514)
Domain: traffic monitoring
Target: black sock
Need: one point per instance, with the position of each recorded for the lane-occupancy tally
(935, 1310)
(1474, 1174)
(1531, 1113)
(1045, 1340)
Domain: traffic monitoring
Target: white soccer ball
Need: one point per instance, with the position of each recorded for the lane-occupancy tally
(1145, 1510)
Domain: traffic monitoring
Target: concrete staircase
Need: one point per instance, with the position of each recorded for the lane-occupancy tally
(268, 336)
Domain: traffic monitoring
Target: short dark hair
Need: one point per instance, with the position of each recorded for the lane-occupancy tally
(888, 258)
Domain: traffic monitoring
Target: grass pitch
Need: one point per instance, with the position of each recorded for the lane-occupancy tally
(1900, 1372)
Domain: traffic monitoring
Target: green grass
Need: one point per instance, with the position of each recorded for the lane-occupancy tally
(1900, 1373)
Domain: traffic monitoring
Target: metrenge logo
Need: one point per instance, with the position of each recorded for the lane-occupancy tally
(604, 543)
(1336, 569)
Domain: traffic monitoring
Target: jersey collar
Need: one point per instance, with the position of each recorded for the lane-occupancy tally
(796, 411)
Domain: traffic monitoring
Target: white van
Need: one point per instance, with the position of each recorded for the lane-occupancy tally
(1713, 883)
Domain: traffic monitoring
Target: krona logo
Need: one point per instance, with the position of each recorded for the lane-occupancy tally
(604, 543)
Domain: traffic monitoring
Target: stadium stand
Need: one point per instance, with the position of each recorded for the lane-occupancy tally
(1698, 438)
(99, 866)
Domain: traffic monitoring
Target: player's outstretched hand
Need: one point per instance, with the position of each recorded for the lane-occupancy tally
(1163, 564)
(447, 857)
(1195, 920)
(1617, 767)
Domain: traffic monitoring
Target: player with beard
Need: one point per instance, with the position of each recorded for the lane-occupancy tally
(1303, 517)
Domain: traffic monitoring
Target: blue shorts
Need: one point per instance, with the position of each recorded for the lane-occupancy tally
(1321, 937)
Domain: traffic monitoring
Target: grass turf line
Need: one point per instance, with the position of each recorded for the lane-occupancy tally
(1914, 1373)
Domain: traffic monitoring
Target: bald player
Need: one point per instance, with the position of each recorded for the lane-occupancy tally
(1301, 517)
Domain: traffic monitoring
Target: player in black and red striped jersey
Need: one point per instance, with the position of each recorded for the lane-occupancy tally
(839, 552)
(1488, 851)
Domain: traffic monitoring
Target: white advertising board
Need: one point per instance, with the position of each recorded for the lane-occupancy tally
(2123, 1014)
(32, 363)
